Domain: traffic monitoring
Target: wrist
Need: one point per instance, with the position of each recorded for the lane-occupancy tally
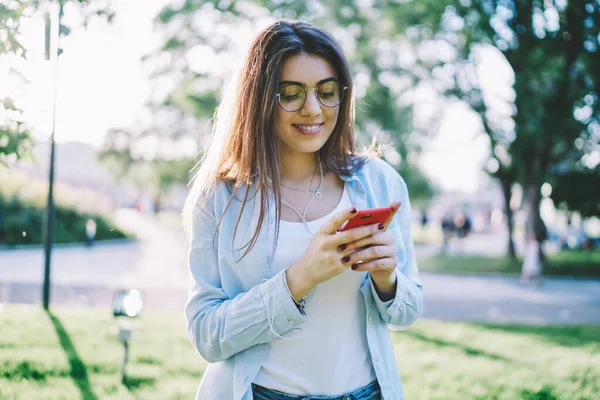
(385, 285)
(298, 283)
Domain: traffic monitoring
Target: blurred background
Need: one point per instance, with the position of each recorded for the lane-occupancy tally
(491, 112)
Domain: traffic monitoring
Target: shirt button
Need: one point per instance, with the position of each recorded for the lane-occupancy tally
(291, 322)
(370, 317)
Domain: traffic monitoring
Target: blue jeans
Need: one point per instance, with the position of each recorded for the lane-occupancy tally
(369, 392)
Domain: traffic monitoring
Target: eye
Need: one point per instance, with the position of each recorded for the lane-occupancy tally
(291, 92)
(289, 97)
(326, 95)
(329, 89)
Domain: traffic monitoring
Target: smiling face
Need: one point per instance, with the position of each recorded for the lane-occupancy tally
(307, 129)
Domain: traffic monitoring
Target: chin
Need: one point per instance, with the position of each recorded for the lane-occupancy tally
(309, 147)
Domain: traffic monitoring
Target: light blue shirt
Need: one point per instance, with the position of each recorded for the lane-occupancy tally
(236, 308)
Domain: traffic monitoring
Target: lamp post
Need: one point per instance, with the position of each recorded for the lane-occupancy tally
(126, 303)
(50, 214)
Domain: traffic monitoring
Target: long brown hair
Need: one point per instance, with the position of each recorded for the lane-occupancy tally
(245, 147)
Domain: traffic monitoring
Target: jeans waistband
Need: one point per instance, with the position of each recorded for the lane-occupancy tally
(369, 392)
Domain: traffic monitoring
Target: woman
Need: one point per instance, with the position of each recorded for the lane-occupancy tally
(532, 264)
(281, 304)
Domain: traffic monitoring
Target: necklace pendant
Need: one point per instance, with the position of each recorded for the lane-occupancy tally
(318, 195)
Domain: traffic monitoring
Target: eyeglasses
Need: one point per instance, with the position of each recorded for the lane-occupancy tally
(292, 96)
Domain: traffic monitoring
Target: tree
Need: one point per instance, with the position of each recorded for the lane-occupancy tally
(15, 136)
(204, 30)
(155, 174)
(552, 49)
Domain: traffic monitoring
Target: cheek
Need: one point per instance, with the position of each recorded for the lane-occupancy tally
(280, 121)
(332, 116)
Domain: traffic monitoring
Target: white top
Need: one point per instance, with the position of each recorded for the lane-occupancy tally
(531, 261)
(329, 355)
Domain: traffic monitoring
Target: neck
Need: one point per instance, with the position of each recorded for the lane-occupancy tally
(297, 166)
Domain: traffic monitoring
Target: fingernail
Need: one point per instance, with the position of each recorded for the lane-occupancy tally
(353, 211)
(354, 267)
(342, 247)
(346, 259)
(380, 227)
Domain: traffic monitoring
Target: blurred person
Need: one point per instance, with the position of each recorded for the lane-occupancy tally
(532, 263)
(281, 304)
(447, 230)
(424, 219)
(460, 225)
(90, 231)
(1, 224)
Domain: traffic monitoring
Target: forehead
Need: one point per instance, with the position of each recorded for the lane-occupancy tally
(306, 68)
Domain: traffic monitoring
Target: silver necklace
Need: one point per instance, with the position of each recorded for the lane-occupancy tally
(316, 194)
(309, 190)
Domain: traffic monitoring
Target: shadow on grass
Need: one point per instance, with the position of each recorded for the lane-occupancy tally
(471, 351)
(545, 393)
(138, 382)
(568, 336)
(78, 370)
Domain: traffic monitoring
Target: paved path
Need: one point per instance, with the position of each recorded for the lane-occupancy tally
(156, 263)
(503, 299)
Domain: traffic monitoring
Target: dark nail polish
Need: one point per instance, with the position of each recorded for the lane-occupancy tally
(354, 267)
(354, 210)
(346, 259)
(342, 247)
(380, 227)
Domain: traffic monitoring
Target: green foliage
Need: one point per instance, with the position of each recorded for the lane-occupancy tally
(552, 48)
(157, 176)
(22, 214)
(578, 190)
(10, 17)
(15, 136)
(419, 187)
(383, 110)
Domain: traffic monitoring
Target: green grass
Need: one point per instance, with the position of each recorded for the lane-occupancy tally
(564, 263)
(73, 354)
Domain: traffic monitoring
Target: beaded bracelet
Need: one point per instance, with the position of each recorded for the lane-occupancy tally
(299, 304)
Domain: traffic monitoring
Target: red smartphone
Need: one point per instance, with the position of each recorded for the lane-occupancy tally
(382, 215)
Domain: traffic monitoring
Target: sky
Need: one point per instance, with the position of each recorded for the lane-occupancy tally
(101, 86)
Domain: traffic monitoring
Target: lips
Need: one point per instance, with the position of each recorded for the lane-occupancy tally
(309, 128)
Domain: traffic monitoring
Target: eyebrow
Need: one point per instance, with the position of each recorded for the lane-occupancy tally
(284, 83)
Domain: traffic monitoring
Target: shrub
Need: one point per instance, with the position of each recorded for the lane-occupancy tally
(22, 212)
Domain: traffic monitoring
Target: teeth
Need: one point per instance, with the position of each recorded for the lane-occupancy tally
(309, 128)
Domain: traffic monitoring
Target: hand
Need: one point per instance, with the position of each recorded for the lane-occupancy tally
(323, 259)
(378, 255)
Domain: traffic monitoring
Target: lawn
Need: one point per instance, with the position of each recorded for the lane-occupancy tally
(565, 263)
(73, 354)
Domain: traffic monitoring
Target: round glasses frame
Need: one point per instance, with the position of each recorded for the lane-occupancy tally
(342, 95)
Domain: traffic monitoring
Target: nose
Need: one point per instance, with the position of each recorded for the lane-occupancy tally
(312, 106)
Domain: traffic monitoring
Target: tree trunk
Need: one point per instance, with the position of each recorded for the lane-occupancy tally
(507, 192)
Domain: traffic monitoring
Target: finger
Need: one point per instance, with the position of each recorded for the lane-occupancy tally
(380, 264)
(395, 206)
(357, 233)
(376, 239)
(337, 220)
(368, 254)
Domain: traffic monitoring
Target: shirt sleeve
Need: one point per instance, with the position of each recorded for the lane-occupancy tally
(218, 326)
(406, 306)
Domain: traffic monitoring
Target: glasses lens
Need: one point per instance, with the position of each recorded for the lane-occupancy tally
(330, 93)
(291, 97)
